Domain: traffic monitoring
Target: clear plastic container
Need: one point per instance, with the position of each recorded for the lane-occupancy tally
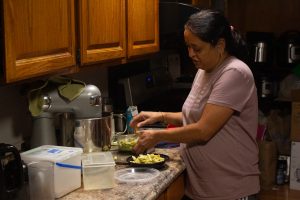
(41, 180)
(136, 175)
(98, 170)
(127, 142)
(67, 165)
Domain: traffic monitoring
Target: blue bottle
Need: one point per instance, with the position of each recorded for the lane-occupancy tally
(130, 113)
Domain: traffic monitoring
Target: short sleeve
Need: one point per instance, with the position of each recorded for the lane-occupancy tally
(233, 88)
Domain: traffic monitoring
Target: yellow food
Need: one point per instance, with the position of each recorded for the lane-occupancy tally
(147, 159)
(127, 144)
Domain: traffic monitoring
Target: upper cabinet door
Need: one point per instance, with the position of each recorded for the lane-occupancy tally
(39, 37)
(102, 30)
(143, 27)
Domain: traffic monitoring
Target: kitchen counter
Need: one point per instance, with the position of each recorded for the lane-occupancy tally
(147, 191)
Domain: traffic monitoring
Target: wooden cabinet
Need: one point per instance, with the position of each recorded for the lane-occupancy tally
(143, 33)
(175, 191)
(102, 25)
(39, 37)
(274, 16)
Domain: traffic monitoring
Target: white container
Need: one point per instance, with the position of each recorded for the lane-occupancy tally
(98, 170)
(67, 165)
(41, 180)
(295, 166)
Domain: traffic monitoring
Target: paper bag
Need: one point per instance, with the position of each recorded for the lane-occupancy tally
(267, 164)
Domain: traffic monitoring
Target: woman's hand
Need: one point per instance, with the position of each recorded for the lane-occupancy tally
(147, 139)
(145, 118)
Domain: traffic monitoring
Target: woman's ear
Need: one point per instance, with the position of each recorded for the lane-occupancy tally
(221, 45)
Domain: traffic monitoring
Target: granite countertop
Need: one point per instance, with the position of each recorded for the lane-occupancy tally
(147, 191)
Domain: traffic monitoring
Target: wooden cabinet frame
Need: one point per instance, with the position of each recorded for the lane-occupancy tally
(27, 27)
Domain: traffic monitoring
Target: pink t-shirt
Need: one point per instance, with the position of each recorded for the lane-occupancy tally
(226, 167)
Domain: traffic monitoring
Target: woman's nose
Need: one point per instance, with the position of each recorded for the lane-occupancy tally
(191, 52)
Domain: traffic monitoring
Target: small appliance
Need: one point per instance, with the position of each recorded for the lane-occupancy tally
(85, 119)
(12, 174)
(289, 48)
(260, 48)
(144, 86)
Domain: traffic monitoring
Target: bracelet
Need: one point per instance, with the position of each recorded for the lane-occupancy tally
(163, 117)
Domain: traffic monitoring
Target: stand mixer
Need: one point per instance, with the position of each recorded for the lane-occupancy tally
(82, 117)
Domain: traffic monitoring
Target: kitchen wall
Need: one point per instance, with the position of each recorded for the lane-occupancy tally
(15, 119)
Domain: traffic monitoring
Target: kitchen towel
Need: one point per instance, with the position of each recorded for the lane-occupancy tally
(67, 88)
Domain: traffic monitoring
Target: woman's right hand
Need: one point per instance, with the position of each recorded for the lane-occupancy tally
(146, 118)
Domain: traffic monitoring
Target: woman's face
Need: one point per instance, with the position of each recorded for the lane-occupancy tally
(203, 54)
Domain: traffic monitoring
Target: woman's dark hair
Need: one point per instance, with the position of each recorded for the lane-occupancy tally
(211, 25)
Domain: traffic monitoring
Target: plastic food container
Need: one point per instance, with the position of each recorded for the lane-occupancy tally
(98, 170)
(127, 142)
(67, 165)
(136, 175)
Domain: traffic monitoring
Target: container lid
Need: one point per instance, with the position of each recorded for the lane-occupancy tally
(136, 175)
(51, 153)
(97, 158)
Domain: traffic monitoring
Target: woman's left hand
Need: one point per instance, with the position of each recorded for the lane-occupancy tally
(146, 141)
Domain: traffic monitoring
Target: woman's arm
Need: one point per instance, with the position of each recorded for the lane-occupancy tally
(172, 118)
(212, 120)
(147, 117)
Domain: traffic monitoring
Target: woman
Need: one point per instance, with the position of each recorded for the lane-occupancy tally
(218, 123)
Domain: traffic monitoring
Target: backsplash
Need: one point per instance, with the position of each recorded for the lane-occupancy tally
(15, 119)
